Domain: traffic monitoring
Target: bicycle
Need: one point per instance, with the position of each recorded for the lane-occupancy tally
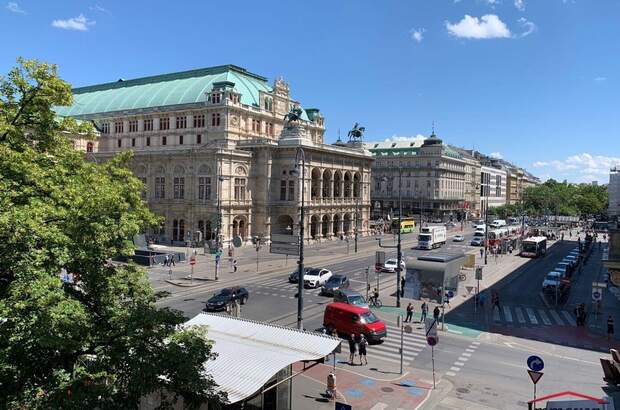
(375, 302)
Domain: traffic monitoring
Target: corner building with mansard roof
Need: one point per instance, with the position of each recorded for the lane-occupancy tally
(214, 137)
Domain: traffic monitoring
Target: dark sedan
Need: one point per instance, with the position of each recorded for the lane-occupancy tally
(335, 283)
(220, 300)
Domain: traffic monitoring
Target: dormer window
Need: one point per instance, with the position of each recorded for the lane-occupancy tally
(234, 98)
(216, 97)
(268, 104)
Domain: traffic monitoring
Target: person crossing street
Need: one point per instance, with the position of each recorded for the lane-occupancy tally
(424, 312)
(409, 317)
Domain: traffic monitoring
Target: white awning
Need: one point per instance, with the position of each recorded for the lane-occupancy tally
(250, 353)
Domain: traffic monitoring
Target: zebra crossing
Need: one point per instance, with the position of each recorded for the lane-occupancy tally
(530, 316)
(413, 344)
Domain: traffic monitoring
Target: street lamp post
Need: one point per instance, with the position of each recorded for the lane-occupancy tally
(486, 230)
(399, 254)
(300, 276)
(218, 241)
(356, 219)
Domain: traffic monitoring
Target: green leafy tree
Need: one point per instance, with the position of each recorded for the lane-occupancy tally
(99, 341)
(553, 197)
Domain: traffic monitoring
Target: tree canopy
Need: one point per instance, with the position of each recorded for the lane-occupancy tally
(560, 198)
(98, 341)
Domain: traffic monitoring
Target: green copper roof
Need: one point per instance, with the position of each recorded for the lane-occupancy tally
(185, 87)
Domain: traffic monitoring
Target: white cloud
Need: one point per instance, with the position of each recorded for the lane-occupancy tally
(583, 167)
(599, 79)
(410, 138)
(79, 23)
(496, 155)
(99, 8)
(417, 34)
(14, 7)
(528, 27)
(520, 5)
(485, 27)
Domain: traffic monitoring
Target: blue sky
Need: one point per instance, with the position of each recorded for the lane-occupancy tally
(534, 81)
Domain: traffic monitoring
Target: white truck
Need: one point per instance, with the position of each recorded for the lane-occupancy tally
(432, 237)
(498, 223)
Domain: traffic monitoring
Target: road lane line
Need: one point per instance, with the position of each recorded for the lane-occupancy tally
(520, 317)
(466, 354)
(450, 374)
(496, 315)
(455, 369)
(459, 364)
(470, 350)
(507, 314)
(544, 317)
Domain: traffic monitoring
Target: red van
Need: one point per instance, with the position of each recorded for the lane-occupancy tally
(348, 319)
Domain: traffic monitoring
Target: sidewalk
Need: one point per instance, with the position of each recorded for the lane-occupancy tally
(362, 388)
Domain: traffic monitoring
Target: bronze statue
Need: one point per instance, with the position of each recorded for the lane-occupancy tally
(356, 133)
(294, 115)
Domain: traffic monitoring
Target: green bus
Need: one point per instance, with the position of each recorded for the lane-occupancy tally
(406, 225)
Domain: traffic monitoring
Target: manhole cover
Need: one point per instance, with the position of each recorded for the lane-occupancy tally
(387, 389)
(462, 390)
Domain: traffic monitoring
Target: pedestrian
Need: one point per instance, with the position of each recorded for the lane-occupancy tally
(610, 327)
(172, 260)
(446, 299)
(481, 252)
(352, 348)
(166, 260)
(409, 313)
(403, 281)
(436, 313)
(362, 349)
(235, 266)
(424, 312)
(496, 303)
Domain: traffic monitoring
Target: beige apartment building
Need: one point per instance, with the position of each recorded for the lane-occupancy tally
(436, 179)
(211, 145)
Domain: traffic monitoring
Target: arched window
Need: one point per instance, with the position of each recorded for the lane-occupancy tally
(179, 183)
(204, 183)
(160, 183)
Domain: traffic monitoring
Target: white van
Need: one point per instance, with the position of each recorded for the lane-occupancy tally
(498, 223)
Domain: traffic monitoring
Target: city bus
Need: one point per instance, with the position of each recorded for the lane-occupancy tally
(407, 225)
(534, 247)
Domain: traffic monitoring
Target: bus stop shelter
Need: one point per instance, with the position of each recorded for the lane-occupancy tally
(433, 275)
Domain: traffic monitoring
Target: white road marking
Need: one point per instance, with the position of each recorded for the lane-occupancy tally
(556, 317)
(379, 406)
(450, 374)
(569, 318)
(507, 314)
(470, 350)
(544, 317)
(463, 359)
(475, 343)
(466, 354)
(531, 316)
(455, 369)
(520, 317)
(459, 364)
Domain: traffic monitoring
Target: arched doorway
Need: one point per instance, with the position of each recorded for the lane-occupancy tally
(314, 226)
(239, 227)
(284, 225)
(347, 184)
(337, 183)
(357, 179)
(325, 226)
(315, 184)
(327, 183)
(336, 225)
(346, 227)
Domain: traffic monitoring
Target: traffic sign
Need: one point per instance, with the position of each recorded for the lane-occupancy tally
(478, 273)
(469, 289)
(597, 295)
(380, 257)
(535, 376)
(535, 363)
(192, 260)
(432, 340)
(431, 332)
(450, 294)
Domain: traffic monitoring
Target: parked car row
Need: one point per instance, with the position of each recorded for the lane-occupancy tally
(558, 280)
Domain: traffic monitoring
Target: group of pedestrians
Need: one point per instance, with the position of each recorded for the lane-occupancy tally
(357, 344)
(169, 260)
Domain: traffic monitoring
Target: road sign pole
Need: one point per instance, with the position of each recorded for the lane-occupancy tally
(367, 282)
(402, 333)
(191, 275)
(534, 391)
(433, 362)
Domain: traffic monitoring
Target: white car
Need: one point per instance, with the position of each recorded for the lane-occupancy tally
(458, 238)
(552, 280)
(390, 265)
(314, 278)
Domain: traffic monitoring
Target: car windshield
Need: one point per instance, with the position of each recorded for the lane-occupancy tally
(357, 300)
(424, 237)
(313, 272)
(391, 262)
(552, 277)
(335, 280)
(225, 292)
(369, 317)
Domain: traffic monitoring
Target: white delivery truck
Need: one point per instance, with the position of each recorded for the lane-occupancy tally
(432, 237)
(498, 223)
